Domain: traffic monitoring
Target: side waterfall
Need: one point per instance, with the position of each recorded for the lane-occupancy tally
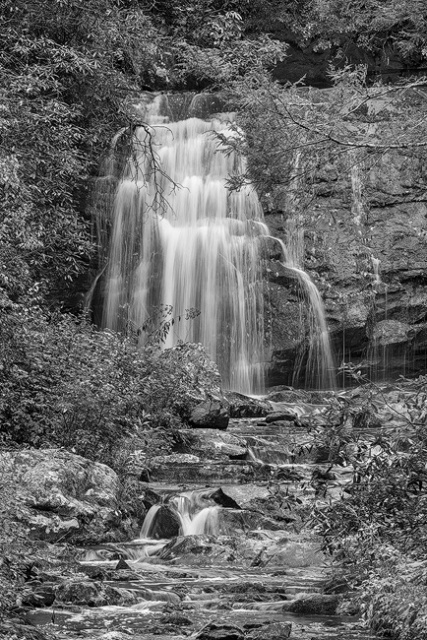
(195, 518)
(181, 241)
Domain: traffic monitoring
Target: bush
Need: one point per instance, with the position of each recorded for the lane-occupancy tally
(377, 533)
(64, 383)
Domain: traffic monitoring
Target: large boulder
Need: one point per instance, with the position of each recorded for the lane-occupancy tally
(242, 406)
(313, 603)
(92, 594)
(212, 414)
(62, 496)
(165, 523)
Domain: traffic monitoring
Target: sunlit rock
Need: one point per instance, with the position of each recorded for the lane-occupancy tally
(65, 496)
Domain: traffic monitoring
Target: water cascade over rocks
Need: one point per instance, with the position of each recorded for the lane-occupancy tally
(194, 519)
(185, 248)
(226, 551)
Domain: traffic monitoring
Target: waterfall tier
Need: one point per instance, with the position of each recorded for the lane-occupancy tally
(189, 246)
(185, 251)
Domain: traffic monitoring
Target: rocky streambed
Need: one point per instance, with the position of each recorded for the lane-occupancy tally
(226, 550)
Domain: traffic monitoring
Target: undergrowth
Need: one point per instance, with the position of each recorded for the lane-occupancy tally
(377, 531)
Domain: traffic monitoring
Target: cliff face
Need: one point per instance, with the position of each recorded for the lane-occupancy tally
(365, 248)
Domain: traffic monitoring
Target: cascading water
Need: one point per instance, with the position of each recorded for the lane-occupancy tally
(319, 365)
(200, 252)
(195, 518)
(147, 525)
(181, 241)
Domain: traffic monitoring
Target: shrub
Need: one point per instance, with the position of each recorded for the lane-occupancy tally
(64, 383)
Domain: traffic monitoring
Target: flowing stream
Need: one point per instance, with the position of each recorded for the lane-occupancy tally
(223, 551)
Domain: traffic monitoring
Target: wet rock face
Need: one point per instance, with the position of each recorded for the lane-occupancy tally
(371, 272)
(166, 524)
(64, 496)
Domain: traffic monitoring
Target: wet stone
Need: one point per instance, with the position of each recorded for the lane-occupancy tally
(210, 414)
(243, 407)
(166, 524)
(43, 595)
(273, 631)
(92, 594)
(313, 603)
(215, 631)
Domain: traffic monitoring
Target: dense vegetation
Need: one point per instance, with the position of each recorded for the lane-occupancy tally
(69, 72)
(377, 534)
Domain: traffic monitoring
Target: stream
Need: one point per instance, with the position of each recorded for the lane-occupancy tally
(223, 552)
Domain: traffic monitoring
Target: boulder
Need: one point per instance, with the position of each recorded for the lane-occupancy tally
(62, 496)
(166, 523)
(214, 631)
(272, 631)
(218, 496)
(242, 406)
(313, 603)
(210, 444)
(211, 414)
(92, 594)
(42, 595)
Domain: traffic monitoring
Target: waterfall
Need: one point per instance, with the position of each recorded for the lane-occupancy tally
(195, 518)
(204, 522)
(189, 244)
(184, 248)
(319, 366)
(147, 525)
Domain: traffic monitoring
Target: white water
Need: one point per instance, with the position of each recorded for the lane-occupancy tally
(197, 246)
(203, 523)
(194, 520)
(149, 520)
(320, 368)
(199, 251)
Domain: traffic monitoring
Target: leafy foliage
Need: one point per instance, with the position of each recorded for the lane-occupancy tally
(375, 27)
(377, 531)
(65, 383)
(292, 133)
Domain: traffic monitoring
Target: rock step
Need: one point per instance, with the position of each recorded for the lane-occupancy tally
(239, 471)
